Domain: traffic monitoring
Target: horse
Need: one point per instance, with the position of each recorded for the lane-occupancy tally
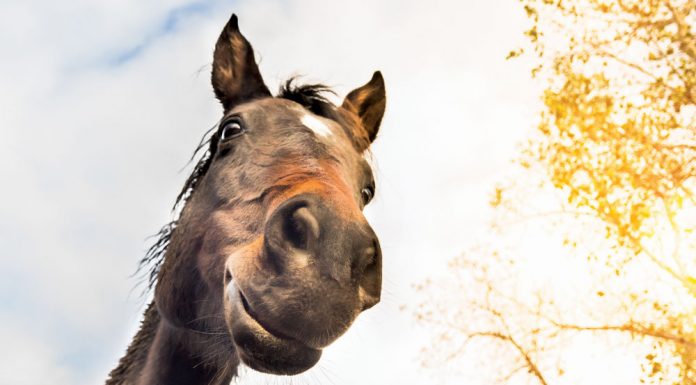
(270, 258)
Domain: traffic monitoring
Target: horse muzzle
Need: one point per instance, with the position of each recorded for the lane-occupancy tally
(260, 348)
(314, 274)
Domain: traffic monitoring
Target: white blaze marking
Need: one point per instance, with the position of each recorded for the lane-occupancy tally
(316, 125)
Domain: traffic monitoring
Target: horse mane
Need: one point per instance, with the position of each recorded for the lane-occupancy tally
(311, 96)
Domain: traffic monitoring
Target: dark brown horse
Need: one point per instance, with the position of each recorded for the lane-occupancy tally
(271, 258)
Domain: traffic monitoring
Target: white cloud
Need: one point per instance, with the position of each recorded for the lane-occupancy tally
(107, 100)
(27, 360)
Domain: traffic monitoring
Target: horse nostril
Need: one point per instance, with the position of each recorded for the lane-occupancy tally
(292, 231)
(364, 260)
(300, 227)
(370, 275)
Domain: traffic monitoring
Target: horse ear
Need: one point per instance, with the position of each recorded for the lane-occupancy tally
(236, 77)
(368, 103)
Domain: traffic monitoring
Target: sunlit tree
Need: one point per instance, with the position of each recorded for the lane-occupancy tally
(618, 131)
(616, 141)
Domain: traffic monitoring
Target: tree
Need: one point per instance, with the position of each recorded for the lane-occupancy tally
(616, 141)
(618, 132)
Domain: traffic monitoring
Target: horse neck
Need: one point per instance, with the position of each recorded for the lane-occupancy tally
(161, 354)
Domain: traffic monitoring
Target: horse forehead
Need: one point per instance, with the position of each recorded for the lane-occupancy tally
(319, 128)
(324, 129)
(328, 132)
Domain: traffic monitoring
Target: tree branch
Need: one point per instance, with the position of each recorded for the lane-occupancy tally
(533, 369)
(629, 328)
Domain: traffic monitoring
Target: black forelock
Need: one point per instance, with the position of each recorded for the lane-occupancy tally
(311, 96)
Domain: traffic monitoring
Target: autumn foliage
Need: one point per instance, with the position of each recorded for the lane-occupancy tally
(616, 141)
(618, 131)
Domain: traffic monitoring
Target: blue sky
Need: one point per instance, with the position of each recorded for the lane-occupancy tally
(167, 25)
(105, 100)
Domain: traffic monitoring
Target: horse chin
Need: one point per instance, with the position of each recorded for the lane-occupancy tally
(261, 349)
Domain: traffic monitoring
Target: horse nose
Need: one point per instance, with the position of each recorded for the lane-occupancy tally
(304, 232)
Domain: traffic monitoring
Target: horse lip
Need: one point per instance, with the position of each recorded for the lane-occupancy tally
(254, 316)
(260, 348)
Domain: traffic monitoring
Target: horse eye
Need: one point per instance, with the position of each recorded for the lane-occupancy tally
(367, 194)
(231, 129)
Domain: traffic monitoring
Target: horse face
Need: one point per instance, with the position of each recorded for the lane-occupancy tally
(281, 246)
(302, 276)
